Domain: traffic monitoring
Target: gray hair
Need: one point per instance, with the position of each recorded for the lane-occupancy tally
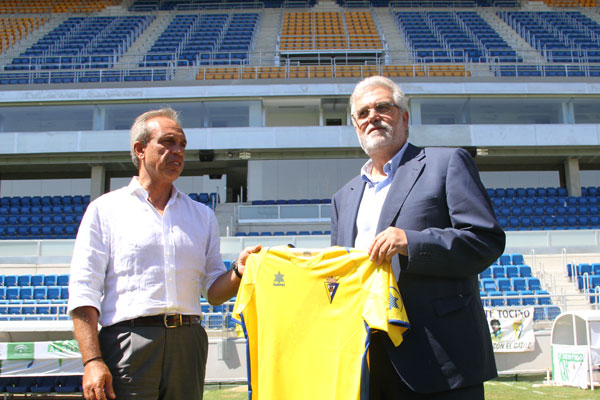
(139, 130)
(380, 81)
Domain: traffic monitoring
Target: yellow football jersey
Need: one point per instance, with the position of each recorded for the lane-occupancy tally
(308, 316)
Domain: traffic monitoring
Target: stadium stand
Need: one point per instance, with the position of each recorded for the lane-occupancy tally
(288, 62)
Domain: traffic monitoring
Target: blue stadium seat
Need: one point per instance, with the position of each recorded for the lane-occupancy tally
(544, 298)
(518, 284)
(533, 283)
(512, 302)
(527, 301)
(24, 280)
(2, 292)
(68, 384)
(498, 271)
(53, 292)
(50, 280)
(26, 293)
(42, 384)
(37, 280)
(486, 273)
(40, 292)
(511, 271)
(13, 292)
(503, 284)
(10, 280)
(62, 280)
(524, 271)
(488, 284)
(64, 292)
(496, 299)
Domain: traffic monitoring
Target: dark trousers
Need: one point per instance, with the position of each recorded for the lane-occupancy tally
(386, 384)
(151, 362)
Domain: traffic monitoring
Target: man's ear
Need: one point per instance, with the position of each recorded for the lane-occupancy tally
(138, 149)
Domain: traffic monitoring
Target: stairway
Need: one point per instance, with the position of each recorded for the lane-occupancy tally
(135, 54)
(551, 271)
(266, 38)
(396, 46)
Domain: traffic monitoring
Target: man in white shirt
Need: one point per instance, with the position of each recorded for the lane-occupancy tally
(143, 256)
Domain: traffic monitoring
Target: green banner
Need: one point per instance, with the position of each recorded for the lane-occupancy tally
(20, 351)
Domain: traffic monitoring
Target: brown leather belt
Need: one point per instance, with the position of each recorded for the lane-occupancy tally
(164, 320)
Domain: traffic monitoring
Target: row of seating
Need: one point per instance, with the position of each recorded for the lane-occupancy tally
(169, 5)
(582, 268)
(506, 271)
(534, 223)
(586, 191)
(514, 283)
(289, 201)
(330, 71)
(65, 200)
(34, 280)
(564, 70)
(64, 384)
(33, 310)
(281, 233)
(54, 6)
(513, 298)
(34, 292)
(510, 259)
(50, 219)
(561, 36)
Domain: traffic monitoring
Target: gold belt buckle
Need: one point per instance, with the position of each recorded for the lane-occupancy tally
(178, 322)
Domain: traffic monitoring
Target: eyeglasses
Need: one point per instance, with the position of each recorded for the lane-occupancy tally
(383, 108)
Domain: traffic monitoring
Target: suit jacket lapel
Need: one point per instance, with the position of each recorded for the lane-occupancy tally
(351, 205)
(407, 174)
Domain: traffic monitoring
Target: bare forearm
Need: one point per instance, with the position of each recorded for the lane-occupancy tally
(85, 327)
(223, 288)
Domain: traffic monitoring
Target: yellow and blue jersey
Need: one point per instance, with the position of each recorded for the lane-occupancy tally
(308, 316)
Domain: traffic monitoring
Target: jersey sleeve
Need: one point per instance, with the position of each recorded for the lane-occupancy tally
(384, 309)
(246, 289)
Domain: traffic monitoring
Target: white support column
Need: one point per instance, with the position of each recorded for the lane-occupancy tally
(97, 181)
(572, 177)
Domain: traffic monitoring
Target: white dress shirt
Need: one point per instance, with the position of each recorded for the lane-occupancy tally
(131, 261)
(371, 203)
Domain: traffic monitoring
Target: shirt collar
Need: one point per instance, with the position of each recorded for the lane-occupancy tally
(389, 168)
(134, 187)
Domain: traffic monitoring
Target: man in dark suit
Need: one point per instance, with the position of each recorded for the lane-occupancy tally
(426, 210)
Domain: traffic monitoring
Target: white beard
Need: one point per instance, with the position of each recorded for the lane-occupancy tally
(377, 141)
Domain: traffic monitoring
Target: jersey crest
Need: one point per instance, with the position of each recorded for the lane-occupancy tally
(331, 286)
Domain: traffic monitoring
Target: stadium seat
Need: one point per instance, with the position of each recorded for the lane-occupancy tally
(10, 280)
(2, 293)
(527, 301)
(37, 280)
(524, 271)
(64, 292)
(533, 283)
(496, 299)
(50, 280)
(518, 283)
(43, 384)
(544, 298)
(26, 293)
(53, 292)
(498, 271)
(503, 284)
(62, 280)
(486, 273)
(488, 284)
(512, 302)
(511, 271)
(13, 292)
(68, 384)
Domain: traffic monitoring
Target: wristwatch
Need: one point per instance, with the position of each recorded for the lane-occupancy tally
(235, 269)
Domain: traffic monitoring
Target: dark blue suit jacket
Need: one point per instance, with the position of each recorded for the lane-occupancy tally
(436, 196)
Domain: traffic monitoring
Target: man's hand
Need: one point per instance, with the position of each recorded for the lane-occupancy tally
(387, 244)
(97, 381)
(243, 256)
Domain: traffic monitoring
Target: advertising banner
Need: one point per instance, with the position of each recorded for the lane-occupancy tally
(570, 365)
(60, 357)
(511, 328)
